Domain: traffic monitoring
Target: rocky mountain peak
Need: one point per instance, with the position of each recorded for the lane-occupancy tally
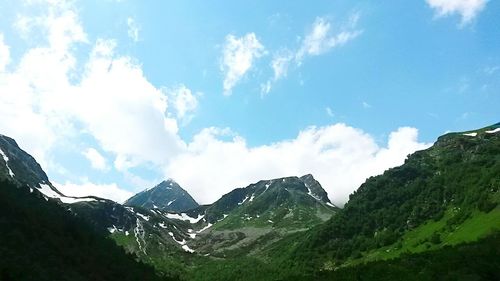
(167, 195)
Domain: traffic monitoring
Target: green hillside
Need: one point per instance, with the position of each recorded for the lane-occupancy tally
(445, 195)
(41, 240)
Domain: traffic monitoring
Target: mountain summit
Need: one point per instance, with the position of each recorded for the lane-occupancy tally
(167, 196)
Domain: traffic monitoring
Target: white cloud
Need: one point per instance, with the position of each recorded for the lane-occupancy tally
(123, 110)
(339, 156)
(265, 88)
(133, 29)
(4, 54)
(97, 161)
(32, 100)
(43, 104)
(329, 111)
(467, 9)
(320, 39)
(280, 63)
(238, 56)
(47, 101)
(184, 102)
(366, 105)
(108, 191)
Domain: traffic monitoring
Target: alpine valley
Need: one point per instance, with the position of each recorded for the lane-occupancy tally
(436, 217)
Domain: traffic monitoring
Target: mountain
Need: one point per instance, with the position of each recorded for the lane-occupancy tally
(245, 220)
(272, 199)
(137, 230)
(43, 239)
(166, 196)
(241, 223)
(440, 197)
(436, 217)
(21, 168)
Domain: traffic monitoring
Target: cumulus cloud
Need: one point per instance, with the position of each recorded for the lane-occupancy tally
(108, 191)
(123, 110)
(47, 101)
(238, 56)
(184, 102)
(97, 161)
(32, 100)
(467, 9)
(339, 156)
(133, 29)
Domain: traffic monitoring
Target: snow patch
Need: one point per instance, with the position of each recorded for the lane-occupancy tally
(187, 249)
(270, 221)
(6, 159)
(267, 185)
(139, 235)
(184, 217)
(46, 190)
(309, 192)
(205, 228)
(493, 131)
(70, 200)
(470, 134)
(244, 200)
(168, 204)
(330, 204)
(177, 241)
(251, 198)
(191, 234)
(182, 243)
(146, 218)
(112, 229)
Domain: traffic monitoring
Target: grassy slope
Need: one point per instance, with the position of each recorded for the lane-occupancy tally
(477, 226)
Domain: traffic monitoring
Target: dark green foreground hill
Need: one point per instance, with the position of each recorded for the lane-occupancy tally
(440, 197)
(41, 240)
(436, 217)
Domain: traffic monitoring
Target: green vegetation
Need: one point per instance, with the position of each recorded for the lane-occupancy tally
(459, 175)
(436, 234)
(41, 240)
(467, 261)
(437, 217)
(471, 261)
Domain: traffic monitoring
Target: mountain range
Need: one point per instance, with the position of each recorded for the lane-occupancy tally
(442, 201)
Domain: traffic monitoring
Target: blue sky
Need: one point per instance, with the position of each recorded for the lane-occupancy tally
(111, 97)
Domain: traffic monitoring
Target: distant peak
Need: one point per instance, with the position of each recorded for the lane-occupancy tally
(170, 180)
(307, 176)
(167, 195)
